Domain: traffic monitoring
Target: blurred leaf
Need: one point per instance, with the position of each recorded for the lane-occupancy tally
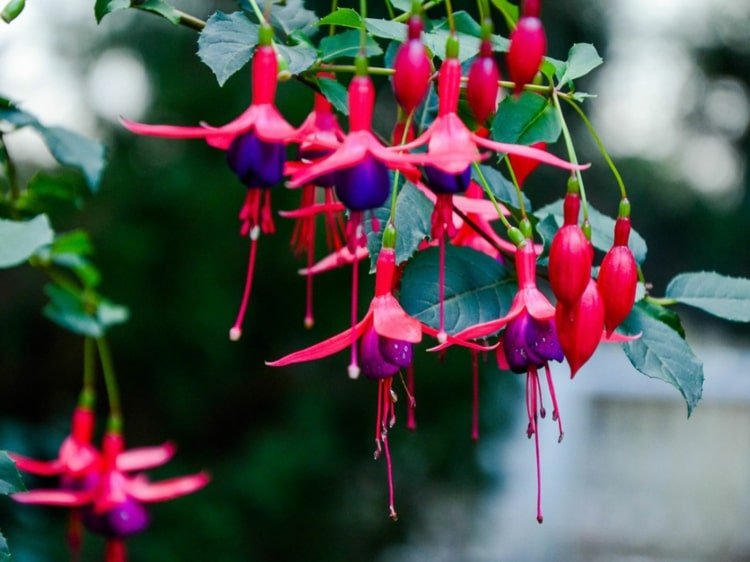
(20, 240)
(12, 10)
(336, 93)
(86, 272)
(342, 17)
(661, 353)
(501, 187)
(346, 44)
(720, 295)
(602, 229)
(72, 313)
(110, 314)
(386, 29)
(582, 59)
(74, 150)
(12, 114)
(403, 5)
(45, 188)
(226, 43)
(477, 288)
(510, 11)
(160, 7)
(73, 242)
(4, 552)
(298, 57)
(287, 16)
(525, 120)
(104, 7)
(10, 478)
(435, 40)
(427, 111)
(413, 224)
(465, 24)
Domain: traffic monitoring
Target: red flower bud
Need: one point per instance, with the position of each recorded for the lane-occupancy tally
(523, 166)
(482, 87)
(413, 69)
(570, 257)
(579, 328)
(618, 277)
(528, 44)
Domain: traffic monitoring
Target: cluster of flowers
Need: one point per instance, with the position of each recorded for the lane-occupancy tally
(349, 173)
(106, 490)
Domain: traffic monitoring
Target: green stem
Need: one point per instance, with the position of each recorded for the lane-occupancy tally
(190, 21)
(110, 381)
(257, 11)
(488, 191)
(506, 16)
(426, 6)
(600, 145)
(664, 301)
(571, 153)
(332, 27)
(87, 397)
(519, 194)
(397, 174)
(374, 70)
(451, 20)
(363, 29)
(389, 7)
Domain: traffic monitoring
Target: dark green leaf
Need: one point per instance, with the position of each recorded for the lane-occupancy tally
(160, 7)
(86, 272)
(298, 57)
(386, 29)
(10, 478)
(602, 229)
(73, 242)
(464, 24)
(661, 313)
(413, 222)
(45, 188)
(547, 228)
(104, 7)
(582, 59)
(477, 288)
(525, 120)
(501, 187)
(722, 296)
(342, 17)
(346, 45)
(335, 93)
(20, 240)
(226, 43)
(661, 353)
(74, 150)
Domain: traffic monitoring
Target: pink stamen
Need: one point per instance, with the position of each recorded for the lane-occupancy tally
(555, 408)
(542, 411)
(309, 317)
(411, 419)
(529, 412)
(475, 395)
(378, 421)
(236, 332)
(388, 405)
(533, 375)
(75, 534)
(353, 365)
(442, 336)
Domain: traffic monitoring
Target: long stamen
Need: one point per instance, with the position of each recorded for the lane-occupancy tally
(115, 551)
(353, 365)
(534, 376)
(387, 405)
(411, 419)
(529, 412)
(75, 534)
(475, 395)
(442, 336)
(236, 332)
(309, 317)
(378, 421)
(542, 411)
(555, 408)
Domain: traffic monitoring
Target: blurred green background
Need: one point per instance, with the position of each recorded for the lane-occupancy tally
(290, 450)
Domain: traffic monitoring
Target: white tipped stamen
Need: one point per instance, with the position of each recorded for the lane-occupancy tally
(235, 334)
(442, 337)
(353, 371)
(255, 232)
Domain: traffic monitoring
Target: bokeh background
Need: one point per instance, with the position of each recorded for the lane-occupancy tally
(291, 451)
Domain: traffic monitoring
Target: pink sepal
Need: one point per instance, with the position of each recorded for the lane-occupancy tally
(61, 498)
(164, 131)
(335, 260)
(144, 458)
(352, 151)
(528, 152)
(327, 347)
(111, 491)
(77, 458)
(454, 340)
(144, 491)
(40, 468)
(537, 304)
(390, 320)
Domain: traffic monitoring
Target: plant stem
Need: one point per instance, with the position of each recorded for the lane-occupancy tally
(332, 27)
(480, 231)
(397, 174)
(488, 191)
(191, 21)
(600, 145)
(571, 153)
(10, 170)
(257, 11)
(374, 70)
(426, 6)
(451, 20)
(110, 381)
(519, 194)
(664, 301)
(89, 368)
(389, 7)
(363, 29)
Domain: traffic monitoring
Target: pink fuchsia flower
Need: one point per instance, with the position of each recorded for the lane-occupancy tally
(482, 86)
(528, 45)
(618, 274)
(113, 501)
(413, 69)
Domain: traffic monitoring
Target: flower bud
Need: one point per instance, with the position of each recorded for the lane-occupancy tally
(618, 278)
(580, 326)
(570, 256)
(412, 69)
(528, 44)
(482, 87)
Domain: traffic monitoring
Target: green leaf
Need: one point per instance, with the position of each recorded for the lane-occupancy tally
(346, 44)
(553, 67)
(160, 7)
(501, 187)
(74, 150)
(582, 59)
(10, 478)
(602, 229)
(413, 224)
(661, 313)
(85, 318)
(226, 43)
(298, 57)
(342, 17)
(403, 5)
(661, 353)
(435, 40)
(73, 242)
(287, 16)
(110, 314)
(104, 7)
(720, 295)
(4, 552)
(525, 120)
(387, 29)
(86, 272)
(45, 189)
(335, 93)
(509, 11)
(477, 288)
(20, 240)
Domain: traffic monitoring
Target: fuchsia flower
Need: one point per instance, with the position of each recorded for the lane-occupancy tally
(482, 87)
(254, 142)
(113, 501)
(618, 276)
(413, 68)
(528, 45)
